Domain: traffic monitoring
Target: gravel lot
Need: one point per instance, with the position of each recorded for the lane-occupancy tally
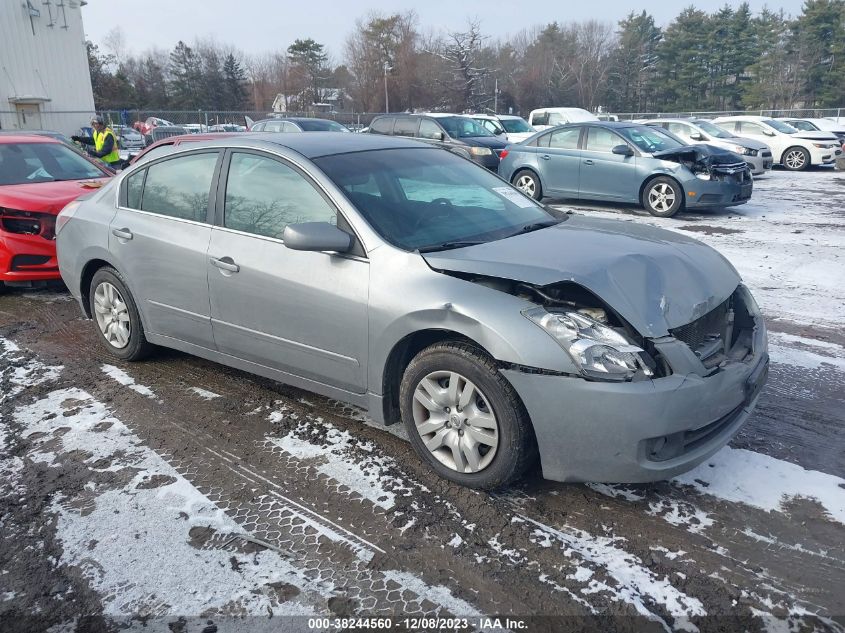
(180, 495)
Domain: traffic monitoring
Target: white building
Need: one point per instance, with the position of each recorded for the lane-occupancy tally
(44, 78)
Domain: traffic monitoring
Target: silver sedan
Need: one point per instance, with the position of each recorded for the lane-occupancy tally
(404, 279)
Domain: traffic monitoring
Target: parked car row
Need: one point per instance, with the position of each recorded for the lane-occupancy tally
(401, 278)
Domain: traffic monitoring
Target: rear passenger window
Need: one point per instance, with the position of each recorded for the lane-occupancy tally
(179, 187)
(134, 185)
(264, 195)
(429, 129)
(383, 125)
(406, 126)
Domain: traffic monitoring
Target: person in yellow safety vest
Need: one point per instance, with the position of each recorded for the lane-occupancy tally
(104, 142)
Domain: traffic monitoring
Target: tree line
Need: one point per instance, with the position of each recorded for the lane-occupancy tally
(731, 59)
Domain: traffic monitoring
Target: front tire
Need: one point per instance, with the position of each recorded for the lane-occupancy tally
(464, 418)
(528, 183)
(796, 159)
(116, 316)
(663, 197)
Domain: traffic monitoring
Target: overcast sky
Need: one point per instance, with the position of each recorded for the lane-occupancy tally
(264, 25)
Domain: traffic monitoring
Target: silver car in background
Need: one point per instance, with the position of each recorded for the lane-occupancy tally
(756, 154)
(407, 280)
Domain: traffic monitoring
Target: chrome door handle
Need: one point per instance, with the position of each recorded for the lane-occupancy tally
(124, 234)
(546, 157)
(588, 162)
(225, 263)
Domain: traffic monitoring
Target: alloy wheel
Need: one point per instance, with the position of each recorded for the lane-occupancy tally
(526, 184)
(661, 197)
(455, 421)
(112, 315)
(795, 159)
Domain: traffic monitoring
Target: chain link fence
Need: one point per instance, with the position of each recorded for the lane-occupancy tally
(68, 122)
(798, 113)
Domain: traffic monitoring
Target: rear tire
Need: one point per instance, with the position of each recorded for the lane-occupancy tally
(464, 418)
(116, 316)
(796, 159)
(528, 183)
(663, 197)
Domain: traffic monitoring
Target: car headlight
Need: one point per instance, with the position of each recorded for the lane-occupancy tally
(599, 351)
(744, 151)
(702, 175)
(480, 151)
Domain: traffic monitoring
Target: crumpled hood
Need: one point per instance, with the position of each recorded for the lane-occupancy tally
(701, 151)
(47, 197)
(656, 279)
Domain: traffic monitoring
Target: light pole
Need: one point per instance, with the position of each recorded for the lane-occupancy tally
(386, 101)
(496, 97)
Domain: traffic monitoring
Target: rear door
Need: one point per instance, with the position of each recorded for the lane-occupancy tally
(559, 161)
(159, 237)
(605, 175)
(299, 312)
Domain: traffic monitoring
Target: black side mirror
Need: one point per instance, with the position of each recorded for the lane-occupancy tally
(696, 136)
(623, 150)
(316, 236)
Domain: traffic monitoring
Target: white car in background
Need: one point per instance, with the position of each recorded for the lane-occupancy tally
(513, 128)
(545, 118)
(795, 150)
(757, 155)
(818, 125)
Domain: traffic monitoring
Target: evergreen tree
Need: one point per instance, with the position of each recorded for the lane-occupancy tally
(312, 59)
(634, 64)
(186, 78)
(234, 79)
(685, 59)
(819, 35)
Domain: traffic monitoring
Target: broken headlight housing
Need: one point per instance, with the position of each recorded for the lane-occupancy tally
(597, 350)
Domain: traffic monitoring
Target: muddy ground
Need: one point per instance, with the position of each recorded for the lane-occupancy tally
(179, 495)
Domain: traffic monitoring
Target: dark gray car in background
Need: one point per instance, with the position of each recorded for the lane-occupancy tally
(400, 278)
(459, 134)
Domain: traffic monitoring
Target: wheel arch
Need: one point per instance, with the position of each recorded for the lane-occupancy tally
(801, 147)
(656, 175)
(88, 271)
(400, 356)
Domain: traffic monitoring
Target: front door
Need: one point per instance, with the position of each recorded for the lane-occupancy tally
(303, 313)
(605, 175)
(159, 237)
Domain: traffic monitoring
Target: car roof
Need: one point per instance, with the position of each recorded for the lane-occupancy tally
(308, 145)
(743, 117)
(295, 119)
(23, 137)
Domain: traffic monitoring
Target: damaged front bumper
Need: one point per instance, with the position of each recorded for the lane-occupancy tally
(644, 430)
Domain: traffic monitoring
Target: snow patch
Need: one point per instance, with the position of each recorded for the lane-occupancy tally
(132, 543)
(803, 352)
(331, 453)
(634, 583)
(205, 394)
(21, 372)
(438, 594)
(680, 513)
(739, 475)
(117, 374)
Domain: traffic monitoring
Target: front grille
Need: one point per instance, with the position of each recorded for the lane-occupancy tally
(28, 223)
(24, 262)
(704, 335)
(733, 172)
(766, 154)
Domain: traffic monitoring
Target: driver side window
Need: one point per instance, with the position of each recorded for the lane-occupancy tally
(264, 195)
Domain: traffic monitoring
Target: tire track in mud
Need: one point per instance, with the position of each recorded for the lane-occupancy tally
(466, 541)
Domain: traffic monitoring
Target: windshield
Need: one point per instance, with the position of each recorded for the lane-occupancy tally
(806, 126)
(516, 126)
(780, 126)
(649, 139)
(462, 127)
(429, 199)
(26, 163)
(713, 130)
(320, 125)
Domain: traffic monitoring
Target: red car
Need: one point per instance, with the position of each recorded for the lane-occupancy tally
(167, 145)
(38, 177)
(145, 127)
